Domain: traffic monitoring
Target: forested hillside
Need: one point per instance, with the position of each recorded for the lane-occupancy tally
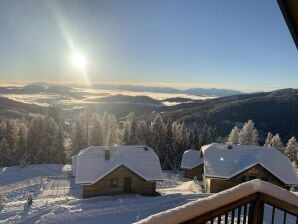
(53, 135)
(275, 111)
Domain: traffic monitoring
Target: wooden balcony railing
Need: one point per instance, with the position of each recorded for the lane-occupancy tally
(250, 210)
(253, 202)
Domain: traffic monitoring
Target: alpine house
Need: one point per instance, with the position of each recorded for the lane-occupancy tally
(117, 170)
(226, 166)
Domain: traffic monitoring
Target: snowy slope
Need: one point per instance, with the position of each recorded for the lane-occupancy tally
(57, 199)
(9, 175)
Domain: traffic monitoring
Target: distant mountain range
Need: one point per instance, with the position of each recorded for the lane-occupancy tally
(68, 89)
(192, 91)
(143, 100)
(15, 109)
(38, 88)
(179, 100)
(275, 111)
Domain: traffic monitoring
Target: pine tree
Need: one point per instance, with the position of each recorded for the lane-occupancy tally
(130, 130)
(1, 129)
(54, 113)
(77, 140)
(47, 150)
(204, 136)
(234, 136)
(248, 134)
(207, 135)
(21, 148)
(85, 118)
(184, 137)
(111, 130)
(180, 143)
(158, 130)
(125, 137)
(133, 129)
(10, 135)
(58, 153)
(144, 135)
(34, 139)
(255, 137)
(97, 133)
(113, 133)
(268, 139)
(5, 160)
(105, 126)
(194, 137)
(276, 142)
(291, 149)
(170, 151)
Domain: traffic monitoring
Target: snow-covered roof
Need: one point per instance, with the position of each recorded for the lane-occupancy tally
(202, 206)
(204, 147)
(74, 163)
(91, 165)
(191, 159)
(226, 161)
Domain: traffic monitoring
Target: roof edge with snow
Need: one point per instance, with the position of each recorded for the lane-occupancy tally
(247, 168)
(91, 165)
(113, 169)
(191, 159)
(191, 167)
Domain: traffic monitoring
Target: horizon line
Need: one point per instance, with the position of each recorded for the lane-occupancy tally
(175, 85)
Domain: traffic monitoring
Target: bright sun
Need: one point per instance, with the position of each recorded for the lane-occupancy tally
(79, 60)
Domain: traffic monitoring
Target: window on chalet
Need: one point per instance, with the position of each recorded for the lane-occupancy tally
(114, 182)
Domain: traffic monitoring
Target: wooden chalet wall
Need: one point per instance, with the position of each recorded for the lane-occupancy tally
(104, 186)
(197, 171)
(214, 185)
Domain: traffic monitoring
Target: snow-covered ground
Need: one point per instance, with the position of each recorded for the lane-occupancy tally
(57, 199)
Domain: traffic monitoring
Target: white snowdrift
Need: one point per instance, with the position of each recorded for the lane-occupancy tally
(9, 175)
(201, 206)
(189, 186)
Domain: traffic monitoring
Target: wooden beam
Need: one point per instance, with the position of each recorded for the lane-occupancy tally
(279, 204)
(289, 9)
(257, 201)
(258, 209)
(222, 210)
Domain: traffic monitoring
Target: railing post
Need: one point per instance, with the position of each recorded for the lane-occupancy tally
(257, 210)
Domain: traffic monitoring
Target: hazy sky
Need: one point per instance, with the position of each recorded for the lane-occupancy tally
(237, 43)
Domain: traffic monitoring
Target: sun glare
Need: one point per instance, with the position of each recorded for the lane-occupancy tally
(79, 60)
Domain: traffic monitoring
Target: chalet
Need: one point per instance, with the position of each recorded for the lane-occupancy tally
(117, 170)
(192, 164)
(226, 166)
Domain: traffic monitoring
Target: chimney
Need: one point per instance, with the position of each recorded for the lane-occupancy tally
(107, 154)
